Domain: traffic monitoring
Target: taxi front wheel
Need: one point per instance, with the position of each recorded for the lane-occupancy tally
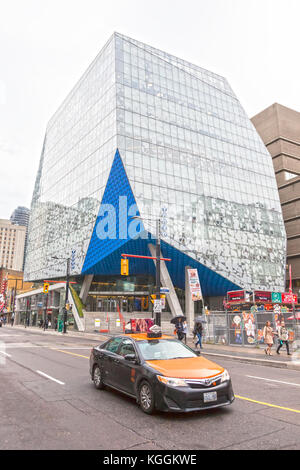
(97, 378)
(146, 397)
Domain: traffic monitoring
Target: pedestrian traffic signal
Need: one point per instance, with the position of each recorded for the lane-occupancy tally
(46, 287)
(124, 267)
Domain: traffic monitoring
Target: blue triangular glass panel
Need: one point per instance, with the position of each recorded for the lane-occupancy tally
(114, 225)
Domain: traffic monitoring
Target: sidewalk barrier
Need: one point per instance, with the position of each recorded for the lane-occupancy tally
(245, 328)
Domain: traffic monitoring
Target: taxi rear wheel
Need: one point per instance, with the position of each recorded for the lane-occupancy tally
(146, 397)
(97, 378)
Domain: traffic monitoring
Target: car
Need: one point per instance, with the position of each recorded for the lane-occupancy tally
(160, 373)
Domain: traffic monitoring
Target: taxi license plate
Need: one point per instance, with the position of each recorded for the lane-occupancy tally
(211, 396)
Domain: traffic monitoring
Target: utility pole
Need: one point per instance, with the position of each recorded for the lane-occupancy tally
(67, 295)
(158, 305)
(65, 311)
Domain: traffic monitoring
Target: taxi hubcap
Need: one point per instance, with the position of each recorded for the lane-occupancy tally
(146, 398)
(97, 376)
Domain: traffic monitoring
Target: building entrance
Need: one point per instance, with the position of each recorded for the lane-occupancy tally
(123, 303)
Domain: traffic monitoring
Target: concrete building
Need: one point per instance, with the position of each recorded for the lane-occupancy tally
(12, 245)
(144, 133)
(20, 216)
(11, 284)
(279, 128)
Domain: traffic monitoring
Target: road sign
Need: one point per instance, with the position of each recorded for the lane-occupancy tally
(164, 290)
(157, 306)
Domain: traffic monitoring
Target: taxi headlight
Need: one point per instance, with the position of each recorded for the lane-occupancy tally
(225, 376)
(172, 381)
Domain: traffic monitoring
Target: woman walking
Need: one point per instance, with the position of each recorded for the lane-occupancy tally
(268, 338)
(283, 338)
(198, 329)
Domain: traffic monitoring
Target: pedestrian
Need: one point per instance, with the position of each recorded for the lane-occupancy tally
(268, 338)
(179, 329)
(198, 330)
(184, 330)
(55, 324)
(283, 337)
(12, 319)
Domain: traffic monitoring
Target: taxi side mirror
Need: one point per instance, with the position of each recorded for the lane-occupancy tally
(198, 353)
(130, 357)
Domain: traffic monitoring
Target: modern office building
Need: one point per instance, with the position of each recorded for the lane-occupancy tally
(279, 128)
(12, 245)
(144, 133)
(20, 216)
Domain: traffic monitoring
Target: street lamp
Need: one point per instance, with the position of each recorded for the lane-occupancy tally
(67, 290)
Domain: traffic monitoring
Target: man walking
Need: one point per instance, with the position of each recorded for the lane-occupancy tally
(283, 336)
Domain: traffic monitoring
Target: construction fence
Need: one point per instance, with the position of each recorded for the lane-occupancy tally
(246, 328)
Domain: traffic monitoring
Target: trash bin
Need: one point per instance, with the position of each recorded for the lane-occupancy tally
(60, 326)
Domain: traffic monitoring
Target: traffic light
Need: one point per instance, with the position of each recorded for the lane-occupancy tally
(153, 297)
(124, 267)
(46, 287)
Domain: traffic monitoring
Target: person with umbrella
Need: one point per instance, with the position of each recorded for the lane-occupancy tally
(198, 330)
(178, 321)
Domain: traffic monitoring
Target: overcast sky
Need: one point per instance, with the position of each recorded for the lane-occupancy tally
(46, 45)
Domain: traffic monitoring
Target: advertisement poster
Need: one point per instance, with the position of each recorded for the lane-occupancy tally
(289, 298)
(261, 296)
(276, 297)
(3, 295)
(141, 325)
(249, 327)
(236, 330)
(236, 296)
(194, 283)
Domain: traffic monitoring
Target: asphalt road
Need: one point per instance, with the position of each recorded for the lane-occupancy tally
(47, 401)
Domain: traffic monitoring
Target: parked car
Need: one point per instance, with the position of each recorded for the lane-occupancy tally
(160, 373)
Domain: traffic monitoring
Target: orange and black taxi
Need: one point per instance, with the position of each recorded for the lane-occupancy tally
(160, 373)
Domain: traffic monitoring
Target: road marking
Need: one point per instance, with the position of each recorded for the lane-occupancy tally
(49, 377)
(5, 353)
(72, 354)
(267, 404)
(272, 380)
(68, 348)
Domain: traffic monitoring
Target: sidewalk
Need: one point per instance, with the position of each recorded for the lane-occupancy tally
(246, 354)
(251, 355)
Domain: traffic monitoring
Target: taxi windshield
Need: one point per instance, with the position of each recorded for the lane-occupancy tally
(164, 349)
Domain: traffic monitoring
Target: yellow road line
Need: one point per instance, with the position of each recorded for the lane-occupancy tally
(267, 404)
(72, 354)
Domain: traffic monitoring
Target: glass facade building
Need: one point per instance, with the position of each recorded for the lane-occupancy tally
(167, 135)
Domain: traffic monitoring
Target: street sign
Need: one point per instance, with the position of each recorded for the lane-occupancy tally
(164, 290)
(157, 306)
